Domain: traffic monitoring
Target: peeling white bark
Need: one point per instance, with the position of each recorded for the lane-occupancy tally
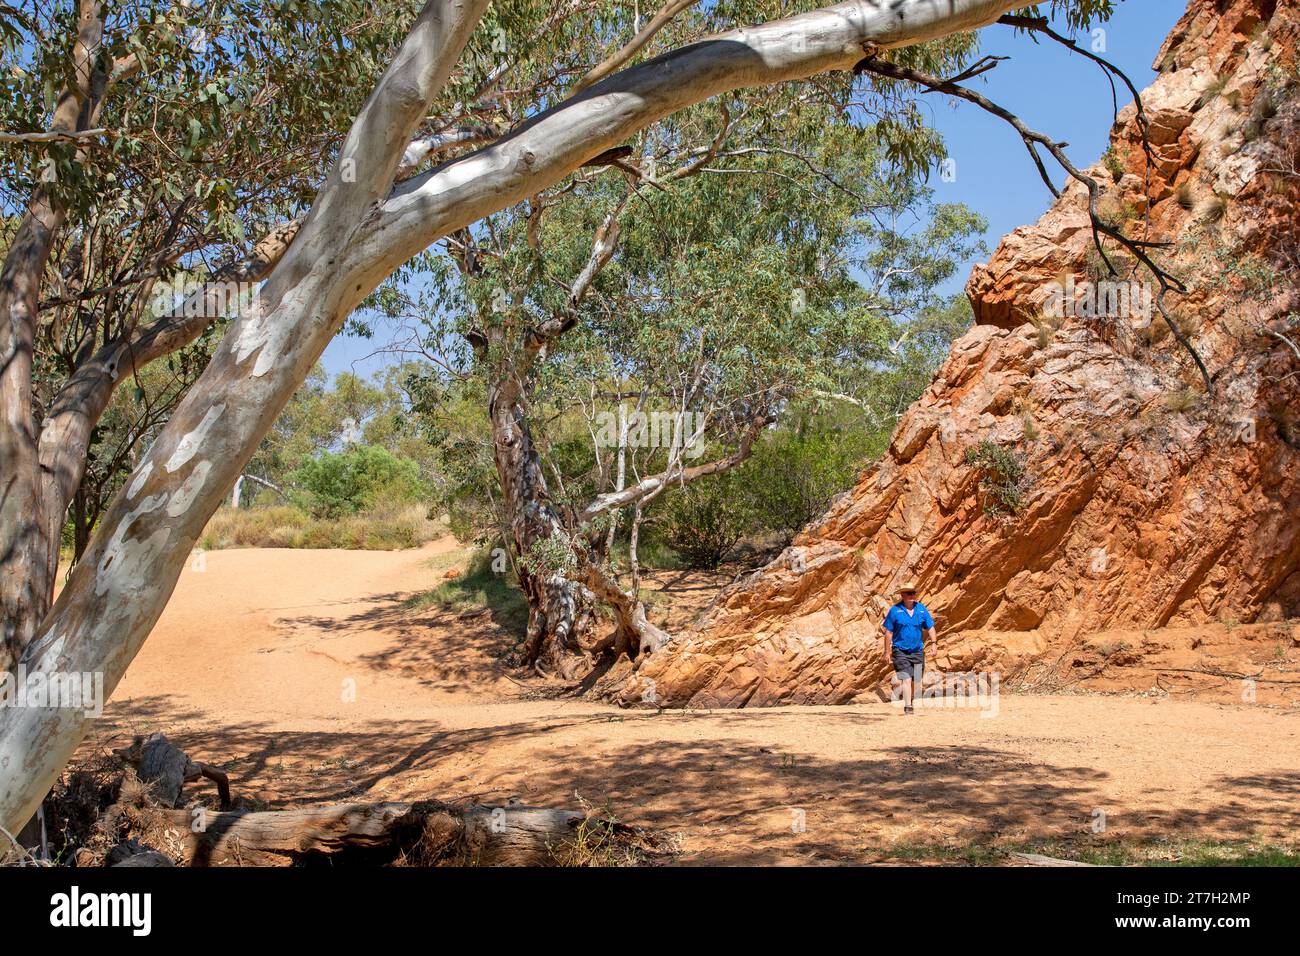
(141, 476)
(189, 445)
(116, 593)
(556, 142)
(184, 496)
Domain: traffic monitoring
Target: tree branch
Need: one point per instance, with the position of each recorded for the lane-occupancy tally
(1043, 26)
(374, 148)
(1100, 227)
(634, 46)
(675, 473)
(556, 142)
(52, 136)
(842, 397)
(81, 400)
(421, 149)
(603, 245)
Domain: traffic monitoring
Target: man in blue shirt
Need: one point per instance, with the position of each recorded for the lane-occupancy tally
(906, 626)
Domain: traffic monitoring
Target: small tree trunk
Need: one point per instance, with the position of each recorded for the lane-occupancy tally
(236, 495)
(28, 552)
(82, 524)
(633, 546)
(33, 499)
(558, 607)
(634, 634)
(28, 566)
(620, 478)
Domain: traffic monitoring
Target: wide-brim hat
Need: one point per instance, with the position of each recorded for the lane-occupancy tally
(907, 586)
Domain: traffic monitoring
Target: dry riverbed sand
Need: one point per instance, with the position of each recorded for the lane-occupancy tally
(302, 674)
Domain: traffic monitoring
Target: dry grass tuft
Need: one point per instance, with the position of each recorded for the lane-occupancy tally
(602, 841)
(1212, 90)
(1214, 209)
(1182, 400)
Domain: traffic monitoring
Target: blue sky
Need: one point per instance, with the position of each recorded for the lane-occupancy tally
(1054, 91)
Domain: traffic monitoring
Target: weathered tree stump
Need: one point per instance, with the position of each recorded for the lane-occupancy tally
(167, 769)
(136, 854)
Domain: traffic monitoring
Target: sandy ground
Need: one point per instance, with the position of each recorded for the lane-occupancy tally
(301, 673)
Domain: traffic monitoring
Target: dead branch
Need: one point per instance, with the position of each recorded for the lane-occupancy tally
(423, 834)
(1032, 140)
(52, 136)
(166, 768)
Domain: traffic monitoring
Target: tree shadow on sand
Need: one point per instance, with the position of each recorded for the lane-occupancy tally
(455, 650)
(734, 787)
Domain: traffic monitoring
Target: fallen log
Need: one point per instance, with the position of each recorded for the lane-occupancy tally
(421, 834)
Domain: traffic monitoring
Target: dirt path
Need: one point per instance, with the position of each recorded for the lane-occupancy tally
(303, 674)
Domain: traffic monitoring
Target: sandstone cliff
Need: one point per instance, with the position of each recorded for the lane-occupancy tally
(1153, 537)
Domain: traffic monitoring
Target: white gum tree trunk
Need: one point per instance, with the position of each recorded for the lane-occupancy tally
(360, 229)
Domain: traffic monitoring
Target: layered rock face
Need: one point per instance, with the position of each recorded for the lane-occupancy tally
(1146, 508)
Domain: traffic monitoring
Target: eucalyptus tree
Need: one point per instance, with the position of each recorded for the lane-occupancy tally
(649, 328)
(366, 218)
(133, 416)
(184, 144)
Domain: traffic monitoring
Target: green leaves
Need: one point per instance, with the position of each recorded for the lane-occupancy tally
(183, 118)
(1003, 477)
(333, 484)
(1079, 14)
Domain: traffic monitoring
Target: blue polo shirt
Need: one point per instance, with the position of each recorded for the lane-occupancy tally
(909, 629)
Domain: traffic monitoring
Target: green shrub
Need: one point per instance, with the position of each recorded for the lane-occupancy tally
(1114, 165)
(653, 552)
(334, 484)
(1004, 479)
(792, 476)
(703, 521)
(284, 526)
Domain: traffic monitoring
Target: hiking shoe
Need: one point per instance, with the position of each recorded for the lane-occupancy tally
(907, 710)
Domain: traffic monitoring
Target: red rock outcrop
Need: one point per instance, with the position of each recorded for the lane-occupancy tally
(1147, 509)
